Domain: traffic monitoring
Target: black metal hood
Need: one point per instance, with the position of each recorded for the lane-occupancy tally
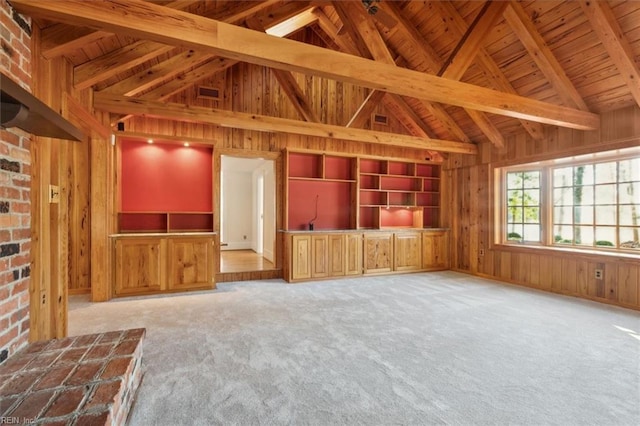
(21, 109)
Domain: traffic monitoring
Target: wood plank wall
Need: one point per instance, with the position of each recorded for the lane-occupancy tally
(471, 221)
(253, 89)
(61, 233)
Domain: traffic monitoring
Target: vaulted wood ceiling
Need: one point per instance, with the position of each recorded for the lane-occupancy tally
(453, 73)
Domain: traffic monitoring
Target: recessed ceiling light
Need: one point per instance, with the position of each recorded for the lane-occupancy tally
(186, 144)
(149, 140)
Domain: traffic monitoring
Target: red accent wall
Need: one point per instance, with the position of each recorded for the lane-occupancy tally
(334, 204)
(165, 177)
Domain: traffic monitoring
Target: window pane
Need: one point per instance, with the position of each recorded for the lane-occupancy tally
(629, 193)
(563, 215)
(514, 180)
(630, 238)
(606, 172)
(605, 236)
(583, 235)
(514, 215)
(532, 233)
(563, 234)
(531, 179)
(563, 177)
(514, 198)
(562, 197)
(515, 232)
(606, 215)
(531, 197)
(583, 215)
(583, 195)
(606, 194)
(532, 214)
(583, 175)
(629, 215)
(629, 170)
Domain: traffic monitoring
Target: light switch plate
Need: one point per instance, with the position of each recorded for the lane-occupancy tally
(54, 194)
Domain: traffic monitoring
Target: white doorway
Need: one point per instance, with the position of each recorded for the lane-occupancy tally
(247, 214)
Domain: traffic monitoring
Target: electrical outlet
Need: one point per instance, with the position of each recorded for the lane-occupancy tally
(599, 274)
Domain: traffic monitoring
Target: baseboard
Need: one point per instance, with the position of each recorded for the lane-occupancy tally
(241, 245)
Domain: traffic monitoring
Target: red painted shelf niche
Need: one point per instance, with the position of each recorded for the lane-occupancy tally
(325, 181)
(165, 187)
(396, 194)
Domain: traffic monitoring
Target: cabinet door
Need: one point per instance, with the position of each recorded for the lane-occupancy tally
(190, 262)
(378, 249)
(300, 257)
(139, 266)
(408, 251)
(353, 254)
(319, 256)
(337, 261)
(435, 250)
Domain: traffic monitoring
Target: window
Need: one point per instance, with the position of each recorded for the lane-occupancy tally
(523, 206)
(580, 202)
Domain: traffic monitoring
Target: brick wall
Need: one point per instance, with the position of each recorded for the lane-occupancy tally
(15, 182)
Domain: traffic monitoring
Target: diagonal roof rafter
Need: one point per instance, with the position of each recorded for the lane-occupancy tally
(150, 21)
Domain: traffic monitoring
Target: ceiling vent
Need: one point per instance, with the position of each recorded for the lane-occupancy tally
(380, 119)
(21, 109)
(208, 92)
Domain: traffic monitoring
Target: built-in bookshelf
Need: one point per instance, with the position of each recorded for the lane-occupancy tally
(321, 190)
(398, 194)
(164, 188)
(361, 193)
(142, 222)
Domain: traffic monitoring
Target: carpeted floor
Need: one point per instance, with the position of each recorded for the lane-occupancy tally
(432, 348)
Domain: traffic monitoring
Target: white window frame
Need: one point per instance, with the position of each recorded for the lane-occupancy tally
(547, 202)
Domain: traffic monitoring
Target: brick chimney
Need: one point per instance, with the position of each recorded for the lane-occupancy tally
(15, 192)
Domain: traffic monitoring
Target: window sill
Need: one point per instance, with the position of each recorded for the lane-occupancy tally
(584, 253)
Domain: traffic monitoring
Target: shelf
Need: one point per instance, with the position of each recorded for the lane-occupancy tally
(398, 194)
(138, 222)
(305, 166)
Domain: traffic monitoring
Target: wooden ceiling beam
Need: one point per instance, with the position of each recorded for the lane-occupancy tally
(117, 61)
(289, 84)
(541, 54)
(61, 39)
(464, 54)
(362, 27)
(150, 21)
(467, 49)
(364, 111)
(188, 113)
(605, 25)
(458, 27)
(165, 70)
(486, 18)
(293, 24)
(393, 102)
(113, 63)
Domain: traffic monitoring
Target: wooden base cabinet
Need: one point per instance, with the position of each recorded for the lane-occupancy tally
(139, 266)
(190, 262)
(378, 252)
(435, 250)
(353, 254)
(156, 264)
(323, 255)
(318, 255)
(407, 247)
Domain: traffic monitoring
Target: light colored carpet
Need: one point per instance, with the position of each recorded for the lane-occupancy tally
(429, 348)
